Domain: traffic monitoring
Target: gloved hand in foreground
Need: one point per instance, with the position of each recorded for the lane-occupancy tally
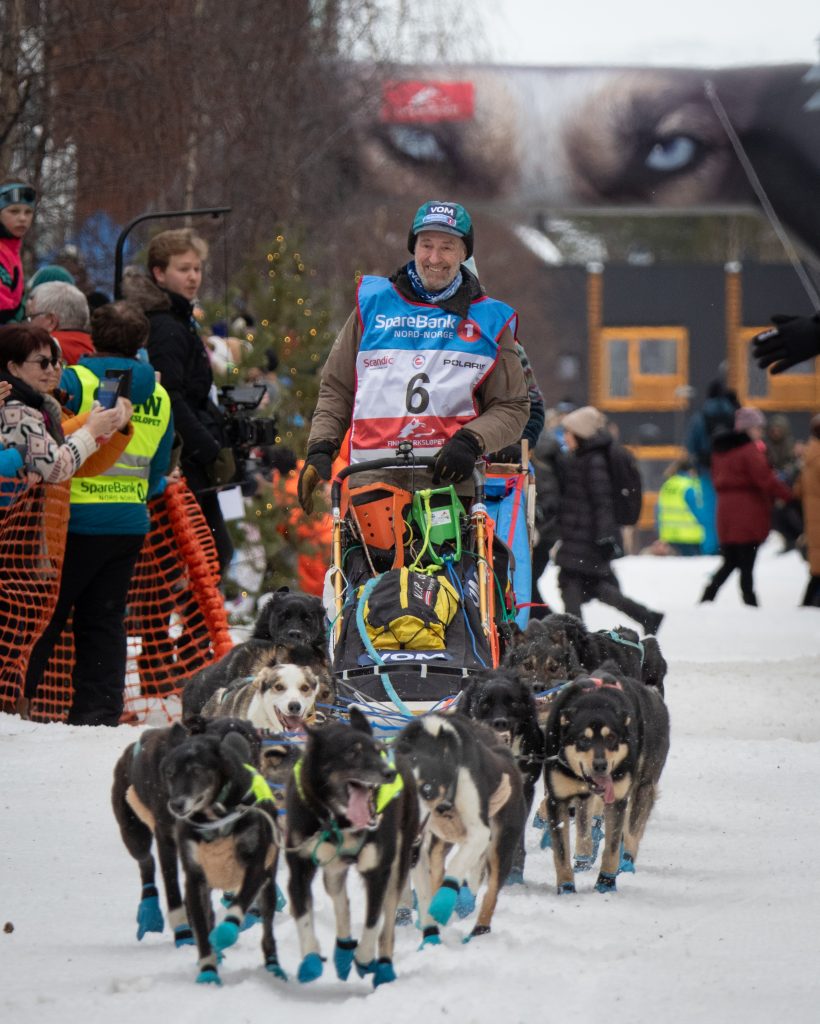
(456, 459)
(318, 466)
(792, 340)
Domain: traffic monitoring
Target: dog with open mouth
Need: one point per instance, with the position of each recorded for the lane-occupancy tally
(607, 739)
(279, 698)
(349, 805)
(290, 629)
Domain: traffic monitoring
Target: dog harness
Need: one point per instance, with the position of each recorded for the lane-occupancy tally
(385, 795)
(614, 635)
(258, 793)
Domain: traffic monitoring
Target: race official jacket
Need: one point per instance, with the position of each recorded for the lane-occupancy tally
(677, 523)
(418, 368)
(126, 482)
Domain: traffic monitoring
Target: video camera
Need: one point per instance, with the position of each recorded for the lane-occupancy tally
(244, 432)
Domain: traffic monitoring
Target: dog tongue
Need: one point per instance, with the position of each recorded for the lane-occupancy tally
(604, 782)
(358, 806)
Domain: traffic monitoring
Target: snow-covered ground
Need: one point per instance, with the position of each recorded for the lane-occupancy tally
(720, 924)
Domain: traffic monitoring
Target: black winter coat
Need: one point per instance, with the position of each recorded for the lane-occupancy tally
(586, 514)
(177, 352)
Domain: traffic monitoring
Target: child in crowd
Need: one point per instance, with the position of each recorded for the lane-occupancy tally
(17, 201)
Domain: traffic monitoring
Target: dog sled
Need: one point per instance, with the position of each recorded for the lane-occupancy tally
(421, 591)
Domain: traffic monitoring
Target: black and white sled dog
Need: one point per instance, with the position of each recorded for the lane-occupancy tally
(607, 739)
(139, 797)
(198, 794)
(470, 791)
(501, 700)
(289, 629)
(348, 805)
(282, 698)
(228, 835)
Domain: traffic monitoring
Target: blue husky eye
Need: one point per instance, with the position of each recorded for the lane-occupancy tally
(672, 154)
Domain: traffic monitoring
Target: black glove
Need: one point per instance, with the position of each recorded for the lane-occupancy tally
(511, 455)
(318, 466)
(792, 340)
(610, 548)
(456, 460)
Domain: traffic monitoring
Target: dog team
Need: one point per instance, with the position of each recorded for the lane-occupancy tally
(264, 767)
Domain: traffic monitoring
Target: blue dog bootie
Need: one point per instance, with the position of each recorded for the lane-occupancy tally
(224, 934)
(310, 968)
(444, 901)
(465, 902)
(384, 973)
(343, 956)
(149, 914)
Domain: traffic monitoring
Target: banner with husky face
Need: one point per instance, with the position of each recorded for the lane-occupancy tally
(568, 138)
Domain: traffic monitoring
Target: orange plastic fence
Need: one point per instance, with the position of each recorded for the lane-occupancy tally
(175, 619)
(33, 523)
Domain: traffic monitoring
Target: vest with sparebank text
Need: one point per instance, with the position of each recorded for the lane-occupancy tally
(418, 369)
(126, 481)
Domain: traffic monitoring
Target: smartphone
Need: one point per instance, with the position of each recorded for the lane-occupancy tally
(124, 378)
(108, 392)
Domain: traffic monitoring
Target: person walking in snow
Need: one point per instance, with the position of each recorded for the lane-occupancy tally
(590, 537)
(746, 488)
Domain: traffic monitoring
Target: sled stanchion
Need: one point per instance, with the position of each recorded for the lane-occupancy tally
(531, 496)
(337, 563)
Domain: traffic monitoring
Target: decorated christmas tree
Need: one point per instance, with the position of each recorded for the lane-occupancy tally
(283, 324)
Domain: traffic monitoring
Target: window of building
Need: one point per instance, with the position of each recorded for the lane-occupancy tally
(642, 367)
(797, 388)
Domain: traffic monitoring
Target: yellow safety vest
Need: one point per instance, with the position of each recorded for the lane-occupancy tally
(126, 482)
(677, 524)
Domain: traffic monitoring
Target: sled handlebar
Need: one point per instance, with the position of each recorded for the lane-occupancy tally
(421, 462)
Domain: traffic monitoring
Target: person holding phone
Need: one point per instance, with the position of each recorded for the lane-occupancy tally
(31, 417)
(108, 517)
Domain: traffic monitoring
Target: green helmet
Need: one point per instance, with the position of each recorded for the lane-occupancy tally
(439, 215)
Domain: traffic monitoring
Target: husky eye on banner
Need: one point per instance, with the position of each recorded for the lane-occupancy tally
(564, 138)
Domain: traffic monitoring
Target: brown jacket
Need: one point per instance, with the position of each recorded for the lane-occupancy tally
(502, 398)
(808, 489)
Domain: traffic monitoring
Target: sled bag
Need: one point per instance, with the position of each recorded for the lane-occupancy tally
(409, 611)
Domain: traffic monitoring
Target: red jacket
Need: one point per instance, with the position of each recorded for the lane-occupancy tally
(746, 489)
(74, 344)
(11, 279)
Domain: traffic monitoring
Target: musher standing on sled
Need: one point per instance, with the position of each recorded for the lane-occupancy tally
(426, 357)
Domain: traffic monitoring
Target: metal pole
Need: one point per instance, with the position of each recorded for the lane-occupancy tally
(212, 211)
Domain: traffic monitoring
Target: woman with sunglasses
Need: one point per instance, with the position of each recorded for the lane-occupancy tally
(30, 419)
(17, 202)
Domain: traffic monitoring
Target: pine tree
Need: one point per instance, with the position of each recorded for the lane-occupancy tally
(291, 318)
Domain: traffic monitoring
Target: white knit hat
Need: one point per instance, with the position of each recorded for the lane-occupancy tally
(584, 422)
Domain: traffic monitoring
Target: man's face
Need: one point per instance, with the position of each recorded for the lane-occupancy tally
(16, 219)
(438, 258)
(48, 321)
(183, 275)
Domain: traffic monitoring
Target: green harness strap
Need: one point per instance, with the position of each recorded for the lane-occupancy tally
(385, 794)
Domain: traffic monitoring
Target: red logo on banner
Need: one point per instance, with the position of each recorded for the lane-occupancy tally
(468, 330)
(427, 102)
